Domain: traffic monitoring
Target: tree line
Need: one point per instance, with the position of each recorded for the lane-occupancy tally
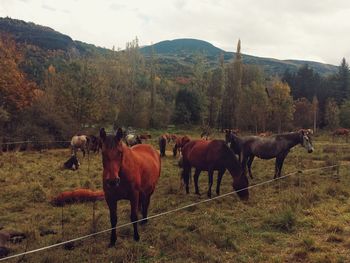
(69, 94)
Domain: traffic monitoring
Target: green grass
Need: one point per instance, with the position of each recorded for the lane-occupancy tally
(305, 217)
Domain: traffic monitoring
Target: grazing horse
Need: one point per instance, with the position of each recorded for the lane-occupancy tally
(79, 142)
(179, 143)
(212, 156)
(128, 173)
(276, 146)
(341, 132)
(132, 140)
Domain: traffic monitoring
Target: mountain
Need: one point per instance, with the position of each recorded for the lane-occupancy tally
(176, 57)
(184, 52)
(45, 37)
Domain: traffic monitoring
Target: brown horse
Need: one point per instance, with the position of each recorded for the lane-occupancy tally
(213, 156)
(341, 132)
(277, 146)
(128, 173)
(179, 143)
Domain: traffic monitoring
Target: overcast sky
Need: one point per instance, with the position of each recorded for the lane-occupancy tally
(316, 30)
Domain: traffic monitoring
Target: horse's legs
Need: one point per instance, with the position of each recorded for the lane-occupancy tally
(279, 163)
(145, 200)
(134, 203)
(196, 176)
(112, 205)
(220, 175)
(210, 177)
(249, 164)
(186, 173)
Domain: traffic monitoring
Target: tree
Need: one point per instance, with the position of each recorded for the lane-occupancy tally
(344, 114)
(254, 107)
(16, 91)
(153, 72)
(233, 87)
(303, 114)
(331, 114)
(343, 82)
(281, 105)
(187, 107)
(315, 112)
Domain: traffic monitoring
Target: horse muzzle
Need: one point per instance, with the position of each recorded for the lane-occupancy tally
(113, 182)
(310, 150)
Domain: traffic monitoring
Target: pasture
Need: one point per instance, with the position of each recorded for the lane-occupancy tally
(301, 218)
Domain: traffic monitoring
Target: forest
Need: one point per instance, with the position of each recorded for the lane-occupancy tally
(51, 94)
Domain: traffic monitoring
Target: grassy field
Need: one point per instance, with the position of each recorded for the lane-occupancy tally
(302, 218)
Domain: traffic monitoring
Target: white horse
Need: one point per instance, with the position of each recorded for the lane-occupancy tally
(79, 142)
(132, 139)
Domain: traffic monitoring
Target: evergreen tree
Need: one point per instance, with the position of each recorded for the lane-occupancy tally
(343, 82)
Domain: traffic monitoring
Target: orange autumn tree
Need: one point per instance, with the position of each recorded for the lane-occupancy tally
(16, 92)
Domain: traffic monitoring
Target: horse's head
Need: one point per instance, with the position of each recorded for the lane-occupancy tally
(241, 186)
(112, 157)
(306, 141)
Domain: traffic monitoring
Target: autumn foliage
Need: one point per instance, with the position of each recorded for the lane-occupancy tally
(16, 92)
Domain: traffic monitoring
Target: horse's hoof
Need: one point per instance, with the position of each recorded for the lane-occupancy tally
(217, 193)
(209, 195)
(197, 193)
(137, 238)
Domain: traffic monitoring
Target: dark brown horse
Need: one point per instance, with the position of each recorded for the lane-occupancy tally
(162, 144)
(341, 132)
(128, 173)
(212, 156)
(276, 146)
(179, 143)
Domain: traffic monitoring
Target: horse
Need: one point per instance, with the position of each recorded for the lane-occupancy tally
(72, 163)
(128, 173)
(162, 140)
(277, 146)
(77, 196)
(213, 156)
(94, 144)
(341, 132)
(228, 133)
(79, 142)
(132, 140)
(179, 143)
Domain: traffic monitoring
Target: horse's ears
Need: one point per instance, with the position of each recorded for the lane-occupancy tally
(119, 134)
(103, 134)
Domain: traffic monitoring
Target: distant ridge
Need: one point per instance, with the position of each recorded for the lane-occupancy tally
(176, 57)
(184, 51)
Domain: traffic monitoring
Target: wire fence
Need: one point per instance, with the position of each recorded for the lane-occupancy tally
(168, 212)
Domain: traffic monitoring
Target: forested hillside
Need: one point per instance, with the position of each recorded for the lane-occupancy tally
(52, 87)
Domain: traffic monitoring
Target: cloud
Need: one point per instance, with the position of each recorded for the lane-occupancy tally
(301, 29)
(47, 7)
